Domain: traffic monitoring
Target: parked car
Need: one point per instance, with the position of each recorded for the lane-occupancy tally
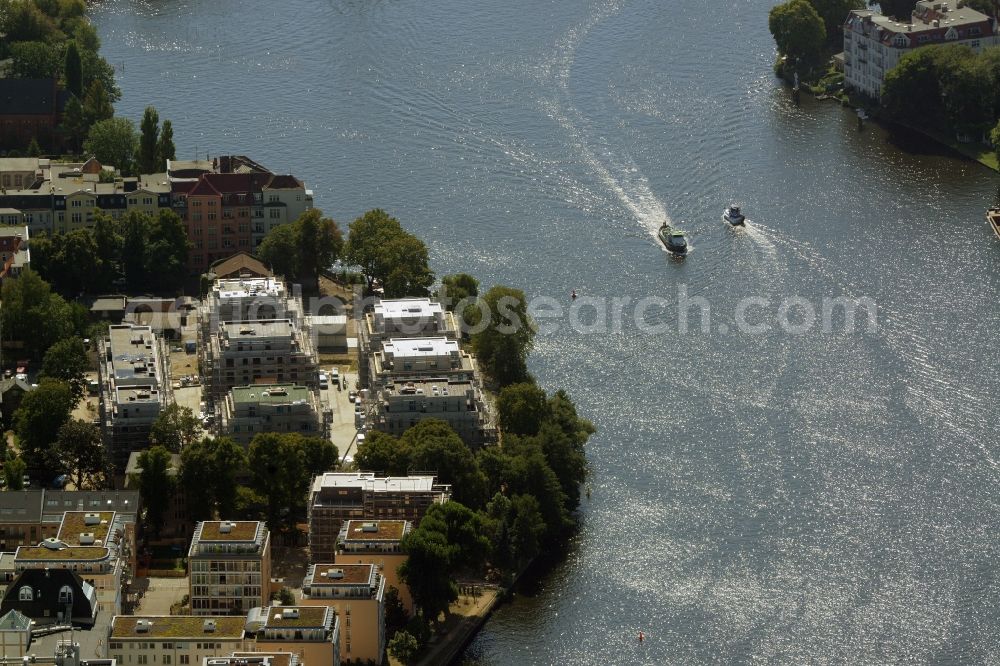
(352, 396)
(323, 384)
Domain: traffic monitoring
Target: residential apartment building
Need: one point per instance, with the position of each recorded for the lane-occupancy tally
(255, 659)
(873, 43)
(281, 408)
(11, 217)
(248, 299)
(229, 204)
(311, 632)
(230, 567)
(135, 387)
(28, 517)
(94, 544)
(356, 593)
(377, 542)
(396, 407)
(15, 254)
(174, 640)
(401, 318)
(412, 359)
(64, 196)
(271, 351)
(340, 496)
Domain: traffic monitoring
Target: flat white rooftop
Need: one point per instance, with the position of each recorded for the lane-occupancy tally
(369, 482)
(420, 347)
(407, 308)
(249, 287)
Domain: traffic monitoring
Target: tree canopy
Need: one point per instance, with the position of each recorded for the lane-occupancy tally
(833, 13)
(114, 141)
(175, 428)
(209, 473)
(38, 419)
(946, 86)
(149, 253)
(303, 249)
(503, 339)
(33, 314)
(80, 451)
(67, 360)
(149, 138)
(388, 255)
(798, 31)
(457, 288)
(156, 485)
(282, 466)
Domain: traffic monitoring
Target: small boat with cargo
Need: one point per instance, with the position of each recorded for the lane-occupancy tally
(673, 239)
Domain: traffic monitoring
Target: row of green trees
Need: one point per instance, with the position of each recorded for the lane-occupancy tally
(146, 252)
(508, 503)
(54, 39)
(388, 256)
(948, 87)
(218, 477)
(36, 317)
(50, 441)
(115, 141)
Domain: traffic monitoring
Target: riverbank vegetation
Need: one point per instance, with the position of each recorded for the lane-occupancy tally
(52, 39)
(949, 90)
(807, 33)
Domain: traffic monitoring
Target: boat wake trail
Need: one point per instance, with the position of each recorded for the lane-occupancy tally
(761, 236)
(621, 177)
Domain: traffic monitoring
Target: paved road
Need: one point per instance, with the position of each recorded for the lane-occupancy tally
(343, 432)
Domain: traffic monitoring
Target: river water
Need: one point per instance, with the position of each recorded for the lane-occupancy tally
(757, 495)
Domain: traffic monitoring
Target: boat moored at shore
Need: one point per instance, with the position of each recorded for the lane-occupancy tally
(993, 217)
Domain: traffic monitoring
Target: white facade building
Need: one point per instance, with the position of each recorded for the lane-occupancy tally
(874, 44)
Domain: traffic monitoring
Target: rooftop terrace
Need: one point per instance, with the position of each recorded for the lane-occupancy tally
(96, 524)
(227, 530)
(334, 575)
(72, 553)
(177, 626)
(273, 394)
(373, 530)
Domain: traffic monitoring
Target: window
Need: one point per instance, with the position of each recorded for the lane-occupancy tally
(147, 201)
(141, 659)
(184, 659)
(272, 198)
(77, 217)
(25, 593)
(275, 214)
(75, 203)
(65, 595)
(166, 659)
